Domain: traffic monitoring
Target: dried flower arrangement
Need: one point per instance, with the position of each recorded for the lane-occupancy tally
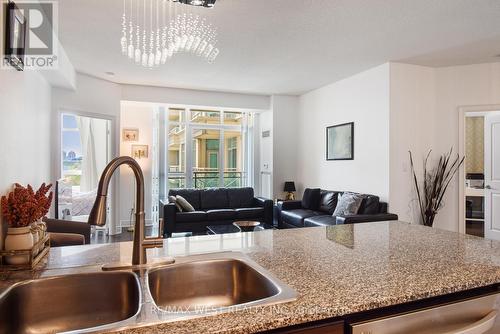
(23, 206)
(435, 183)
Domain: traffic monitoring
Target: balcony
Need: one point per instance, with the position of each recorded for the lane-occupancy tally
(207, 178)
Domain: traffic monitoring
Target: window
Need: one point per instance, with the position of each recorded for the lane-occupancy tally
(215, 140)
(232, 153)
(205, 158)
(233, 118)
(71, 150)
(205, 116)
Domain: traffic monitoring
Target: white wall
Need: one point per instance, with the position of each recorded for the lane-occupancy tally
(364, 100)
(139, 116)
(25, 127)
(472, 85)
(419, 112)
(93, 98)
(425, 106)
(194, 97)
(413, 93)
(25, 122)
(285, 141)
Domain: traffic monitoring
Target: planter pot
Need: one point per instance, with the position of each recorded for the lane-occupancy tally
(18, 238)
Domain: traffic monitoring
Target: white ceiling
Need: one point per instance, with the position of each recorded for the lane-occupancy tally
(292, 46)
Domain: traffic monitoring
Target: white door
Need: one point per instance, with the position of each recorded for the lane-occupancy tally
(492, 175)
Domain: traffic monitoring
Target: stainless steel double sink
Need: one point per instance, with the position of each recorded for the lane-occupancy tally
(98, 301)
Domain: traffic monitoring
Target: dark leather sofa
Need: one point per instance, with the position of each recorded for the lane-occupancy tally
(292, 214)
(215, 206)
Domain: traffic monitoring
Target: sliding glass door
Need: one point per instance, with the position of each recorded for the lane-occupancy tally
(206, 148)
(205, 157)
(234, 176)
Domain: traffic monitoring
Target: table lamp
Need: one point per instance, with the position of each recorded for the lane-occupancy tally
(290, 189)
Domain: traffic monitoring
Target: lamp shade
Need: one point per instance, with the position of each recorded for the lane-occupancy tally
(289, 186)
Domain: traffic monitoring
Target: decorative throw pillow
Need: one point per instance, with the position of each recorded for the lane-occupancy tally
(348, 204)
(172, 199)
(311, 198)
(184, 204)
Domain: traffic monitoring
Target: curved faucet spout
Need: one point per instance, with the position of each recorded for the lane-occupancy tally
(98, 213)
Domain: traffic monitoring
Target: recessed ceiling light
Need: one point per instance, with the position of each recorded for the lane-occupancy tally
(110, 73)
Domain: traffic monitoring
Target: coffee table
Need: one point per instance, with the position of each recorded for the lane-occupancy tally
(230, 228)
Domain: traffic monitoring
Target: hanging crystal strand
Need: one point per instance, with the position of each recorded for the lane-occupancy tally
(138, 37)
(215, 51)
(170, 31)
(131, 35)
(151, 59)
(197, 36)
(177, 36)
(158, 52)
(144, 61)
(189, 30)
(164, 51)
(209, 48)
(193, 30)
(202, 36)
(123, 41)
(213, 55)
(203, 44)
(185, 27)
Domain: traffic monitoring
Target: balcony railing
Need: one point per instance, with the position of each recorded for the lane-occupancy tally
(208, 179)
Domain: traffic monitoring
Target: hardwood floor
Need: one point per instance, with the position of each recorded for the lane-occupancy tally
(101, 237)
(151, 231)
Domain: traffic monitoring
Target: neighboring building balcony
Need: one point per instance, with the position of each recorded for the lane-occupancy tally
(208, 178)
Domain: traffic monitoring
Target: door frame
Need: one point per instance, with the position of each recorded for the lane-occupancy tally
(463, 111)
(114, 148)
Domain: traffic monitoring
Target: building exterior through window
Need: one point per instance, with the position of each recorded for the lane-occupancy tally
(207, 148)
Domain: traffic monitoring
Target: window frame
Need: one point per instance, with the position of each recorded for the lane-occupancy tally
(189, 126)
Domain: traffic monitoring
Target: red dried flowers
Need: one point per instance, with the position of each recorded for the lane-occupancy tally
(22, 206)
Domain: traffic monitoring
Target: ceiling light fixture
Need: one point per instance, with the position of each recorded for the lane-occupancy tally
(204, 3)
(153, 31)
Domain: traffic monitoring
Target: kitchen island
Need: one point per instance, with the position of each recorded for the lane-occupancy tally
(337, 272)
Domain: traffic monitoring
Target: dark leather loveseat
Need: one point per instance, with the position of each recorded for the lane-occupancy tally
(293, 214)
(215, 206)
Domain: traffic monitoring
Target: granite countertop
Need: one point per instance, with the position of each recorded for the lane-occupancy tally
(336, 270)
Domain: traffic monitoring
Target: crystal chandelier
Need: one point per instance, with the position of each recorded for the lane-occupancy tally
(153, 31)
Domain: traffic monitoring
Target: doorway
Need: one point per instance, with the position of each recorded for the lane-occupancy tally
(480, 182)
(85, 152)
